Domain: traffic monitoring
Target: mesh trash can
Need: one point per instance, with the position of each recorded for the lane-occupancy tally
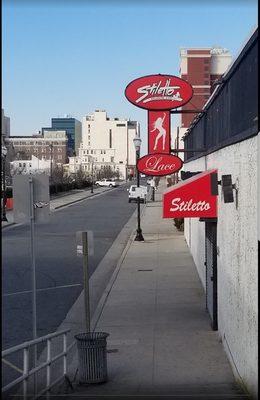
(92, 357)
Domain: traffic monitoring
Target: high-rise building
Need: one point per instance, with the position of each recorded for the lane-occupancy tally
(5, 126)
(73, 130)
(202, 68)
(108, 142)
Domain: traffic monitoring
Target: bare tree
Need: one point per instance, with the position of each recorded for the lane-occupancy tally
(107, 173)
(57, 175)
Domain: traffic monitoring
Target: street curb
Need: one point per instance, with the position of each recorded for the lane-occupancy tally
(84, 198)
(101, 304)
(7, 226)
(64, 205)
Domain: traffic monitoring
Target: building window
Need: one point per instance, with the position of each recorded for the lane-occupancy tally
(88, 137)
(59, 157)
(104, 151)
(110, 138)
(89, 143)
(103, 160)
(112, 159)
(91, 152)
(121, 162)
(120, 124)
(20, 164)
(206, 68)
(84, 152)
(87, 152)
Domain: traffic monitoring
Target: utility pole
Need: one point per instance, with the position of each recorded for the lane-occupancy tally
(51, 148)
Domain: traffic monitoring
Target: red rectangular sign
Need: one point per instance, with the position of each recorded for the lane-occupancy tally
(159, 136)
(191, 198)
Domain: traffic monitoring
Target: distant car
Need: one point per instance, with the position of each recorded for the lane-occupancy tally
(134, 192)
(106, 182)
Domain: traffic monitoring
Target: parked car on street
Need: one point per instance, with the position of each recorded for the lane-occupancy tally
(106, 182)
(135, 192)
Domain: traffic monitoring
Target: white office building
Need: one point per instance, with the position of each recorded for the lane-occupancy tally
(32, 166)
(108, 142)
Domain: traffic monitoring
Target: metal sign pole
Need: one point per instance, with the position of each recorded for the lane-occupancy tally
(86, 279)
(32, 247)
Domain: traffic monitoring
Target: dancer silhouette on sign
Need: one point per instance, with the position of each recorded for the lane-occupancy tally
(158, 124)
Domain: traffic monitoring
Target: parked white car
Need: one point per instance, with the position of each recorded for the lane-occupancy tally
(135, 192)
(106, 182)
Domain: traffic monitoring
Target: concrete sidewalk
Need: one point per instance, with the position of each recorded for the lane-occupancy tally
(62, 200)
(161, 339)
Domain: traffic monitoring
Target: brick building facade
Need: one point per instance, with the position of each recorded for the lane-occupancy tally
(202, 68)
(48, 146)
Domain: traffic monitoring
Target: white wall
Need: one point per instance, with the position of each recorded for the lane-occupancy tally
(33, 166)
(237, 258)
(258, 186)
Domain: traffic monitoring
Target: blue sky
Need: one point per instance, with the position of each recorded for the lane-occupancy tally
(72, 57)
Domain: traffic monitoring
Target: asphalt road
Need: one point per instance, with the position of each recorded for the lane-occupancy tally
(58, 269)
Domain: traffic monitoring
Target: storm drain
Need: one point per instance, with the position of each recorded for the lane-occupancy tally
(144, 270)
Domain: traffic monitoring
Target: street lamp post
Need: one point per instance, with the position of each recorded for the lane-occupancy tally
(51, 149)
(139, 235)
(4, 153)
(92, 177)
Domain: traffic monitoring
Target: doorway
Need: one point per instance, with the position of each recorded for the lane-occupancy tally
(211, 272)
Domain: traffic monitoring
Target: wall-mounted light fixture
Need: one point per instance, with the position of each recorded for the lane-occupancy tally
(227, 189)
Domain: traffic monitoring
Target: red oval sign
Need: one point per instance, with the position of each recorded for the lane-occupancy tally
(159, 92)
(159, 164)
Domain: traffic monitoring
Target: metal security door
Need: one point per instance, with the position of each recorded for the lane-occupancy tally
(211, 272)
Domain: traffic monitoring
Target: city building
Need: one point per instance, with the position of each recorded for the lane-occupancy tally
(203, 69)
(72, 127)
(74, 165)
(225, 249)
(108, 142)
(5, 126)
(47, 146)
(32, 166)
